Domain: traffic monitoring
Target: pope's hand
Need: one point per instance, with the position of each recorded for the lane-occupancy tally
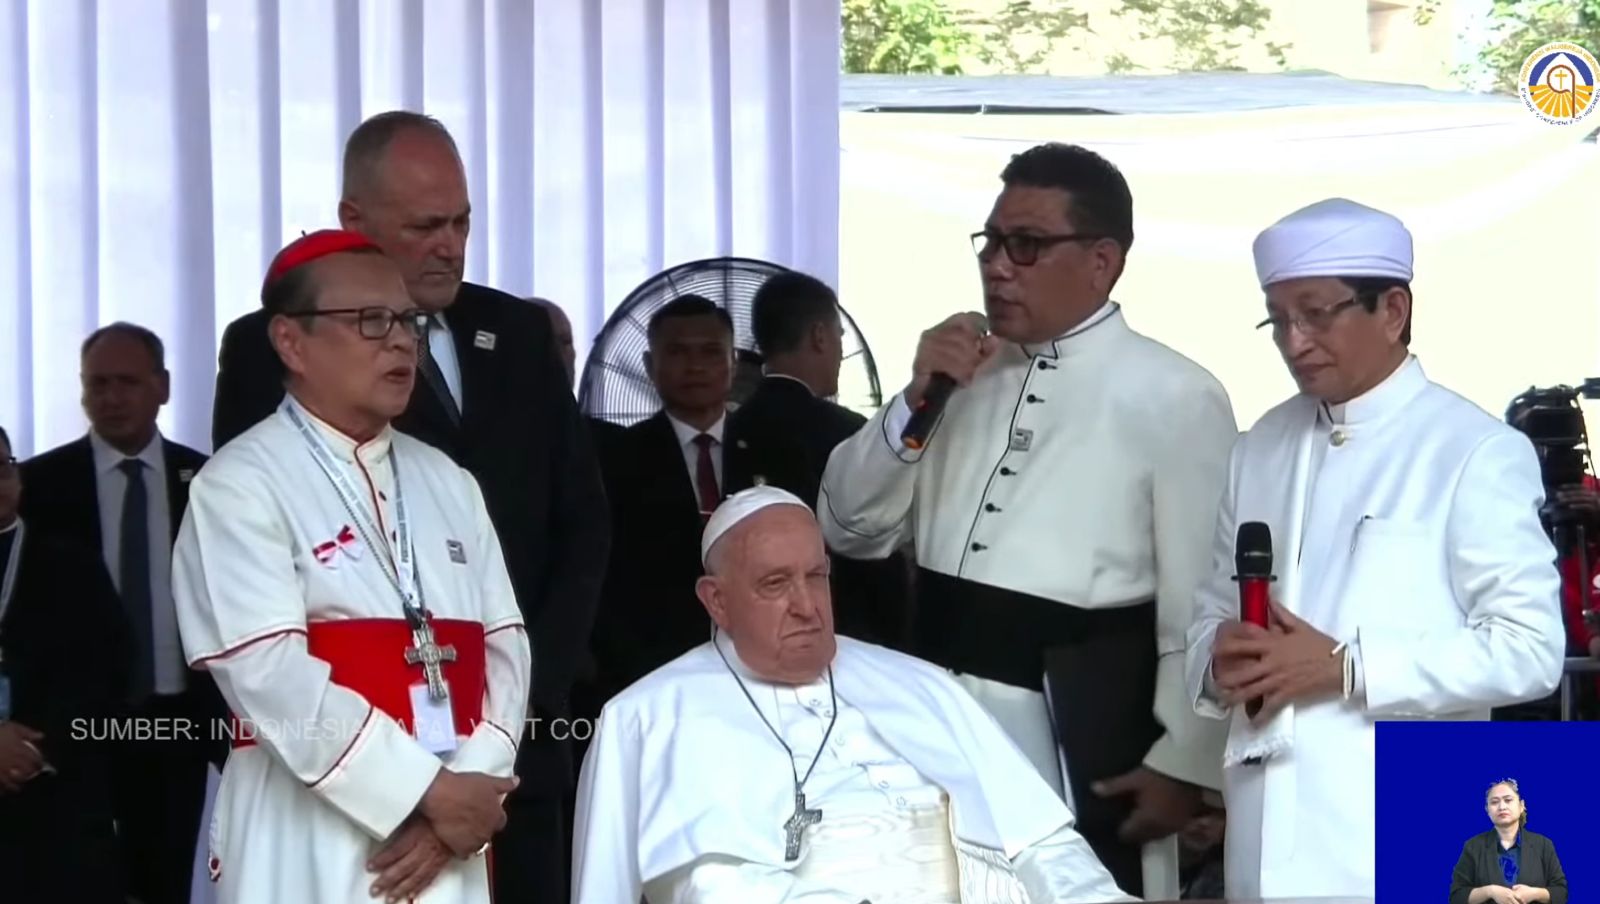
(20, 759)
(465, 808)
(957, 347)
(1294, 663)
(1161, 805)
(408, 862)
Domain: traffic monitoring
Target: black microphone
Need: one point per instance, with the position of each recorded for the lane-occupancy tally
(923, 417)
(1252, 564)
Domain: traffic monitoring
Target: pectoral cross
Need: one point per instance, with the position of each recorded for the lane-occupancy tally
(429, 655)
(797, 825)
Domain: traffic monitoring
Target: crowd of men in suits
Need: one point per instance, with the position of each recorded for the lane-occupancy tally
(600, 525)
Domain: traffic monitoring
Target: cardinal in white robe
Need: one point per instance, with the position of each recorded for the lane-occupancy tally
(1413, 577)
(1061, 512)
(780, 763)
(343, 584)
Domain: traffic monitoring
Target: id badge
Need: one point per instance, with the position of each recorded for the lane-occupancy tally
(5, 697)
(433, 721)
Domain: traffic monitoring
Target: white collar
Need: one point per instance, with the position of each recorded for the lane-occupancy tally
(1388, 397)
(1076, 337)
(724, 643)
(344, 447)
(792, 379)
(11, 527)
(686, 433)
(108, 458)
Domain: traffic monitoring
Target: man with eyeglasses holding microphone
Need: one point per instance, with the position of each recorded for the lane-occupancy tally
(1413, 578)
(1060, 504)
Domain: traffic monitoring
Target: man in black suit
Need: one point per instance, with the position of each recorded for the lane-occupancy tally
(494, 397)
(787, 429)
(664, 477)
(121, 491)
(63, 667)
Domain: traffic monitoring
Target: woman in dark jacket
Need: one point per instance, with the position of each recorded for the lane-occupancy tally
(1508, 864)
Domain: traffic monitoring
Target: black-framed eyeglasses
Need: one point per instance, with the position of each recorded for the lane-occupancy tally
(1023, 247)
(377, 322)
(1312, 322)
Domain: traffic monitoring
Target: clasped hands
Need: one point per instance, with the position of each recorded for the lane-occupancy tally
(456, 817)
(1286, 661)
(1518, 894)
(20, 759)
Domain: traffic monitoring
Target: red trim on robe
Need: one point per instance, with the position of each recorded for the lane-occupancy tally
(347, 748)
(367, 656)
(198, 663)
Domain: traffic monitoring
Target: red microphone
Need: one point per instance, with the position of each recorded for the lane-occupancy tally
(1252, 560)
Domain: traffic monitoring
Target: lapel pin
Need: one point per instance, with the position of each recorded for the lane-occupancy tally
(185, 475)
(458, 553)
(484, 340)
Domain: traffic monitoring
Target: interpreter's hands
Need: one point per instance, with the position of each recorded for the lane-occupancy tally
(466, 809)
(1295, 663)
(408, 862)
(20, 759)
(957, 347)
(1228, 651)
(1527, 894)
(1161, 805)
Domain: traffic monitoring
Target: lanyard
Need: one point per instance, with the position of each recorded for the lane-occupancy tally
(403, 571)
(13, 565)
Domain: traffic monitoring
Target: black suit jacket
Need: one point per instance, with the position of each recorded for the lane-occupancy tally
(521, 436)
(650, 613)
(65, 645)
(61, 496)
(1480, 865)
(784, 435)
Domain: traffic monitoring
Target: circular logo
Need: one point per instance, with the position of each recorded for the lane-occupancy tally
(1558, 83)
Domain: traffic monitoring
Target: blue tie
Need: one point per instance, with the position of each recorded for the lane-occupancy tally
(133, 561)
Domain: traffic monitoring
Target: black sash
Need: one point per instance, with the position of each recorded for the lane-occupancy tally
(1101, 668)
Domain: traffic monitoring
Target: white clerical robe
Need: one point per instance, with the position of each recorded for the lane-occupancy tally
(1405, 523)
(685, 792)
(269, 572)
(1084, 471)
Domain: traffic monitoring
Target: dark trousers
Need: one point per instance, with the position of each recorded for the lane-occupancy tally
(531, 853)
(56, 840)
(159, 793)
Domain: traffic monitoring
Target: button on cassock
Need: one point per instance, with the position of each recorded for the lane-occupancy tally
(1338, 438)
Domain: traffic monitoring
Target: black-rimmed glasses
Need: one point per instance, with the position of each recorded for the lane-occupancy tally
(1023, 248)
(1312, 322)
(376, 322)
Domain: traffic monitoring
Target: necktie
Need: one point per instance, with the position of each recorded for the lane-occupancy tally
(429, 368)
(705, 476)
(133, 565)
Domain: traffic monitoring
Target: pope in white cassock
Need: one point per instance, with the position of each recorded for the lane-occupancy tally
(343, 584)
(1414, 580)
(780, 763)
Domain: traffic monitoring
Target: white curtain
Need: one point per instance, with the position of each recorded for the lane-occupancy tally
(154, 155)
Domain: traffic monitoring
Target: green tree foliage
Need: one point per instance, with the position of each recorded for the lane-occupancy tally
(1205, 34)
(1023, 35)
(904, 36)
(1519, 27)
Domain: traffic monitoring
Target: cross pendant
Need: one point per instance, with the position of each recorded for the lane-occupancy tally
(796, 826)
(430, 655)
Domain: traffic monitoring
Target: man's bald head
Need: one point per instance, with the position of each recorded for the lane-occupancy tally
(767, 588)
(561, 328)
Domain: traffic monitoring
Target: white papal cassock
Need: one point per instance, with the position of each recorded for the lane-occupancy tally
(924, 800)
(298, 621)
(1073, 482)
(1406, 523)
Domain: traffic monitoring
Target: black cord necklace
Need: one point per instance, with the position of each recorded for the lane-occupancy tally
(803, 818)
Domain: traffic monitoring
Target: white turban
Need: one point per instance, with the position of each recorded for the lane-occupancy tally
(1333, 238)
(738, 507)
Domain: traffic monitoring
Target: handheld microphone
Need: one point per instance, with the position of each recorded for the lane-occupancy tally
(1252, 562)
(923, 417)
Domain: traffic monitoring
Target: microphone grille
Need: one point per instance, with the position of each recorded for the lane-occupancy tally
(1252, 549)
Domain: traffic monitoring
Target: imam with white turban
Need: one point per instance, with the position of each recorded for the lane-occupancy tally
(1405, 524)
(686, 791)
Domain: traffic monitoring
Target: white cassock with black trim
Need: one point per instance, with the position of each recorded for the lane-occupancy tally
(284, 599)
(1405, 523)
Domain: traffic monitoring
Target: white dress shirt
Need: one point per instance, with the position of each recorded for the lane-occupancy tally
(691, 452)
(442, 346)
(111, 486)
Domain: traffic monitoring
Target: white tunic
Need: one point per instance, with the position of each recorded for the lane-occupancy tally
(298, 814)
(1085, 470)
(1405, 523)
(685, 792)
